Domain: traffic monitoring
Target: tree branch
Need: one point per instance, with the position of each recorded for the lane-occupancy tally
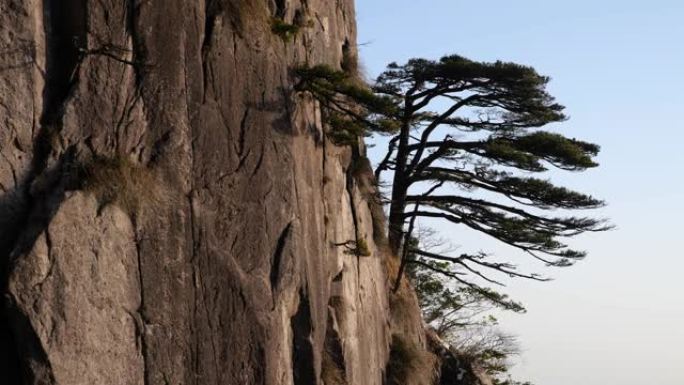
(431, 127)
(384, 164)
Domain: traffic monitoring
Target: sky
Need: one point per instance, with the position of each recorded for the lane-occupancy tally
(618, 316)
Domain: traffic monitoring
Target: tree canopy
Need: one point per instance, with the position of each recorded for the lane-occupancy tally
(465, 137)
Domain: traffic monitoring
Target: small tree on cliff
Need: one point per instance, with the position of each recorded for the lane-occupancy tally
(459, 127)
(461, 315)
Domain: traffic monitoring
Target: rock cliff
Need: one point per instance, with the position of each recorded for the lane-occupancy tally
(171, 212)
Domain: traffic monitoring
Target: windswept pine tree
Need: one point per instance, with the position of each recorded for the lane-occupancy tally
(458, 128)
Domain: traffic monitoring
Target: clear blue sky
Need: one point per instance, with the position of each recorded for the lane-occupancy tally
(617, 317)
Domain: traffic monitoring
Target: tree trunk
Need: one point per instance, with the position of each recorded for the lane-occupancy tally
(399, 188)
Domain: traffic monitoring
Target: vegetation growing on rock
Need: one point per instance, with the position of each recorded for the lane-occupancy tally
(121, 182)
(350, 108)
(409, 363)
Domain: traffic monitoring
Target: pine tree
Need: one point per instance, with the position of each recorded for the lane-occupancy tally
(458, 128)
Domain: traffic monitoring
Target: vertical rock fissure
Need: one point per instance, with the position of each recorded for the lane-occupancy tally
(142, 321)
(277, 257)
(281, 8)
(135, 44)
(333, 369)
(65, 31)
(324, 189)
(303, 369)
(243, 132)
(352, 207)
(195, 349)
(9, 355)
(212, 12)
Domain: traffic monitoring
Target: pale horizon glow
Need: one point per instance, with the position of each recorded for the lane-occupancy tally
(618, 316)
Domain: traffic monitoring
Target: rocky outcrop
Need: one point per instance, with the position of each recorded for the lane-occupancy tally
(225, 266)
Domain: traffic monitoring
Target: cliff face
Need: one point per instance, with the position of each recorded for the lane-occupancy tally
(171, 212)
(169, 208)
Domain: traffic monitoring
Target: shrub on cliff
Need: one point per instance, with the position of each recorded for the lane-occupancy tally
(120, 181)
(409, 363)
(350, 108)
